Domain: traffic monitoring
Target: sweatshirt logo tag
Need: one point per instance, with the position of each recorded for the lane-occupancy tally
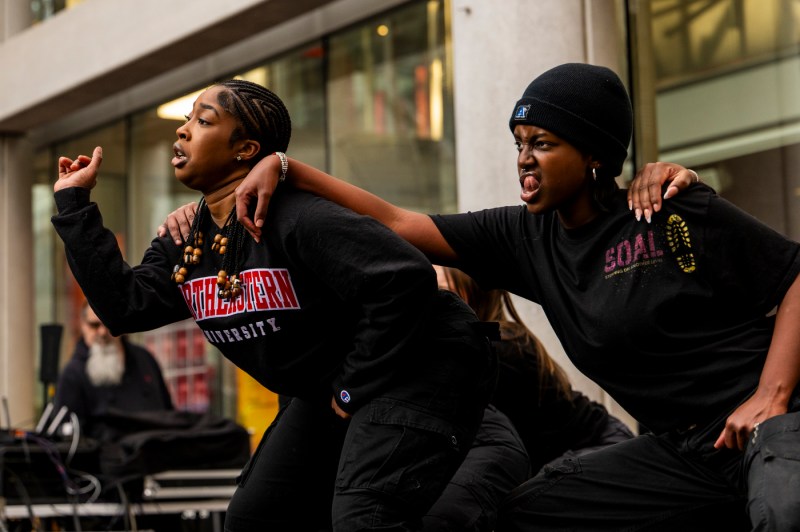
(344, 396)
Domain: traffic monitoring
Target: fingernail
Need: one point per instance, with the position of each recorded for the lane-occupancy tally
(647, 215)
(638, 214)
(259, 223)
(630, 205)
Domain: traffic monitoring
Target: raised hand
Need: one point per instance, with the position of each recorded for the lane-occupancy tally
(81, 172)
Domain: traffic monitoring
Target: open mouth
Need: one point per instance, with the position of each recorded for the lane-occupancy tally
(530, 186)
(180, 158)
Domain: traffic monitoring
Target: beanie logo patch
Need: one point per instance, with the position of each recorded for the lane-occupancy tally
(522, 112)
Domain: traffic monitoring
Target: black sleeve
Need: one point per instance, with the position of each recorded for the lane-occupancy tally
(488, 243)
(389, 283)
(125, 299)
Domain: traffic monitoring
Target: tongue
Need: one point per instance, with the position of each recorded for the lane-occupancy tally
(530, 186)
(178, 160)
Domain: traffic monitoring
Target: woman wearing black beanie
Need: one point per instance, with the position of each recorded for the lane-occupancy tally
(690, 322)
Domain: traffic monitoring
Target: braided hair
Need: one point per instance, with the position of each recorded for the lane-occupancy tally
(261, 114)
(261, 117)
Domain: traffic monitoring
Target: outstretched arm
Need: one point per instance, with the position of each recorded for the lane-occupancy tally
(127, 299)
(416, 228)
(779, 377)
(644, 192)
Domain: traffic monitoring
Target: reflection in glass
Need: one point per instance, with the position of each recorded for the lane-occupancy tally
(694, 37)
(43, 9)
(727, 76)
(391, 128)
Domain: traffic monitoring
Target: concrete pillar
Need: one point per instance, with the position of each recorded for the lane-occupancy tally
(17, 356)
(498, 48)
(16, 252)
(15, 16)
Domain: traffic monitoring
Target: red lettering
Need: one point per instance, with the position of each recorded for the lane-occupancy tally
(611, 264)
(624, 253)
(210, 295)
(639, 250)
(263, 290)
(271, 289)
(651, 239)
(286, 289)
(187, 290)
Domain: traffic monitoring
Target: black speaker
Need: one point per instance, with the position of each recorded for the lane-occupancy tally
(51, 349)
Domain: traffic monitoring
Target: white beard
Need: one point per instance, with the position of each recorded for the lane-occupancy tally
(106, 364)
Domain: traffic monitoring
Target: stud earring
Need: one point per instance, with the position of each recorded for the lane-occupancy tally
(594, 173)
(238, 157)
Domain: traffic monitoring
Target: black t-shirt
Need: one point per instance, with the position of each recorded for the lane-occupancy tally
(672, 318)
(333, 301)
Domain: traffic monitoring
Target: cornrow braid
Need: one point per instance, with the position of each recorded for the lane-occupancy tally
(261, 113)
(263, 118)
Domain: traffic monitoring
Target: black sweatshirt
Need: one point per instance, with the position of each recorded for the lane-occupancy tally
(333, 301)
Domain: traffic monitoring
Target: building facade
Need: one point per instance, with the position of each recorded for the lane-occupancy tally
(407, 98)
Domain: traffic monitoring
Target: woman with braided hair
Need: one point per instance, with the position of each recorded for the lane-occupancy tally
(388, 375)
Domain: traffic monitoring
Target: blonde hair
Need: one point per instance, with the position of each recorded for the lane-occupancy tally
(497, 305)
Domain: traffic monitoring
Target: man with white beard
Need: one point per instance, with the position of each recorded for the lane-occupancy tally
(108, 373)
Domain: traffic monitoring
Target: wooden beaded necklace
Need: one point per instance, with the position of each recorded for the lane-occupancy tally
(228, 243)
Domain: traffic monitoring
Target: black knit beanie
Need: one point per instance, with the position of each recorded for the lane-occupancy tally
(584, 104)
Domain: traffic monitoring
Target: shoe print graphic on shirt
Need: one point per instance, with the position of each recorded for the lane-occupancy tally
(680, 243)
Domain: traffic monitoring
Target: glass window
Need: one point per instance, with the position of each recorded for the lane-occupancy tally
(696, 37)
(390, 108)
(58, 297)
(44, 241)
(44, 9)
(726, 75)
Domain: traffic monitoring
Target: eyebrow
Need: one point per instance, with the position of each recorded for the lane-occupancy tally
(209, 107)
(535, 136)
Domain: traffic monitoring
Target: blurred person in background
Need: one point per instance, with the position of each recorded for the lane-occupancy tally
(108, 372)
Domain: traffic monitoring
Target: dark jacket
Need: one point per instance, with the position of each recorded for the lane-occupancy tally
(142, 387)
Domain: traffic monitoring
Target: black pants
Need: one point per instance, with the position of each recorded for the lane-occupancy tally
(383, 468)
(496, 464)
(668, 482)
